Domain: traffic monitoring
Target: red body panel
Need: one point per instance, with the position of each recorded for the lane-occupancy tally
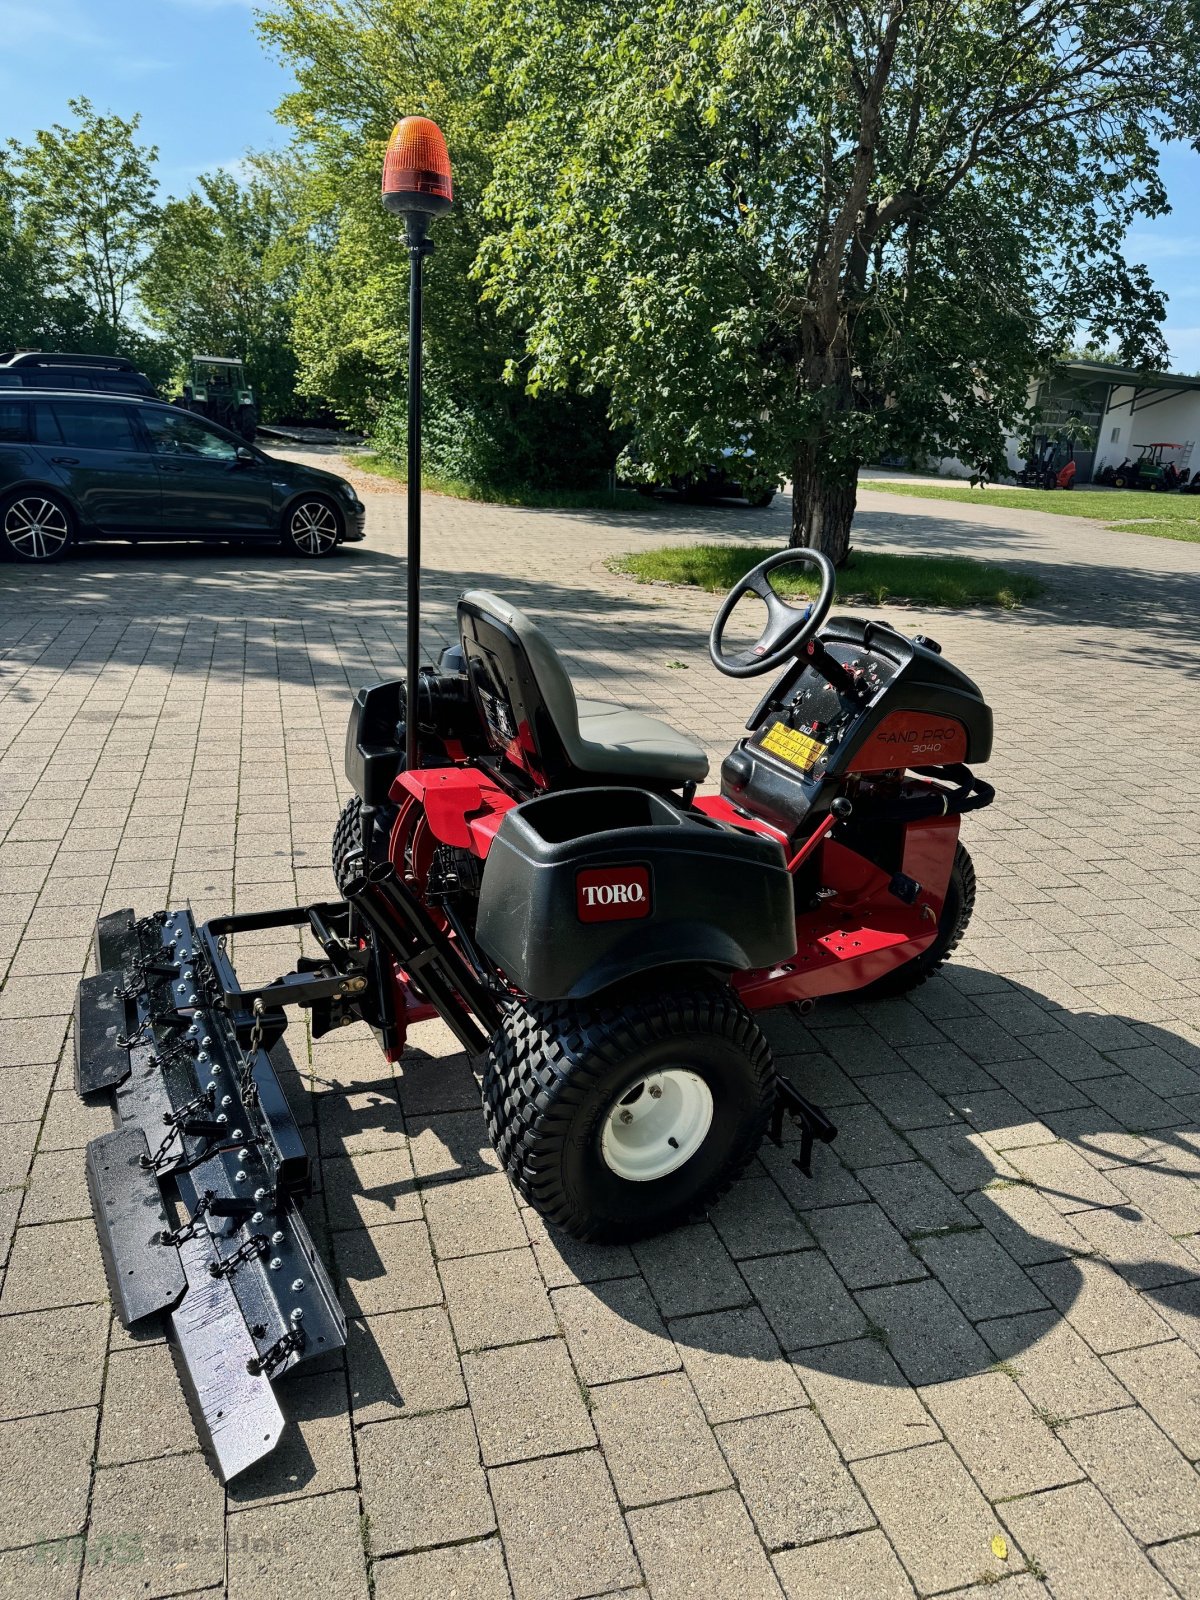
(910, 739)
(862, 932)
(858, 934)
(463, 805)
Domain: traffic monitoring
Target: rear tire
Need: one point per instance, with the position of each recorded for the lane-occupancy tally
(36, 527)
(564, 1084)
(952, 925)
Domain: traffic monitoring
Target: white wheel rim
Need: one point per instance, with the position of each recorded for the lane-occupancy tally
(314, 528)
(36, 528)
(658, 1123)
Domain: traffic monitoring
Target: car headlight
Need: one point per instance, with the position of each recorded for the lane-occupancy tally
(347, 489)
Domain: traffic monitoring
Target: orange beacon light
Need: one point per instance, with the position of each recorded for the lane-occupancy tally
(416, 168)
(416, 185)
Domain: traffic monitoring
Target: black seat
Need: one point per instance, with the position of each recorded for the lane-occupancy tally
(528, 700)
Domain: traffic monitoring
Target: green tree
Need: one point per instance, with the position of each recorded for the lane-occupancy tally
(359, 65)
(820, 233)
(20, 299)
(224, 271)
(87, 199)
(33, 313)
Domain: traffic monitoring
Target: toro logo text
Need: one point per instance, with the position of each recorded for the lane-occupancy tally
(612, 894)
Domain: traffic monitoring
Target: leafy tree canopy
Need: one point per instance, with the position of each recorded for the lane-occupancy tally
(87, 196)
(822, 233)
(224, 271)
(359, 66)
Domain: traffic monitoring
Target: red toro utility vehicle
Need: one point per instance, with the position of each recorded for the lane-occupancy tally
(539, 871)
(616, 930)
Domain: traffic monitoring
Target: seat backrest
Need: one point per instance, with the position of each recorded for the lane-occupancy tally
(522, 690)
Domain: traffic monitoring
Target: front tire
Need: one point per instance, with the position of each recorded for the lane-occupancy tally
(348, 839)
(312, 528)
(952, 925)
(620, 1121)
(35, 527)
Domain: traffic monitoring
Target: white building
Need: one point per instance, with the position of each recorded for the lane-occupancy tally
(1125, 410)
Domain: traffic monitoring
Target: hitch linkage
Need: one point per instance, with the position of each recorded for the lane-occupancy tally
(814, 1124)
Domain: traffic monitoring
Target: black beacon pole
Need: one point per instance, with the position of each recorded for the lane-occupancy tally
(416, 183)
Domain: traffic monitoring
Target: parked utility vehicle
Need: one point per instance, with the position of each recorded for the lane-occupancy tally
(598, 936)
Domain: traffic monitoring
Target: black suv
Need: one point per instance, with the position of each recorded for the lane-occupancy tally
(122, 467)
(45, 369)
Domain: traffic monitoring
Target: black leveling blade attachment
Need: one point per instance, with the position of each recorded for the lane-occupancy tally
(196, 1192)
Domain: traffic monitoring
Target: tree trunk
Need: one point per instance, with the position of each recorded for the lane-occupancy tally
(822, 508)
(824, 487)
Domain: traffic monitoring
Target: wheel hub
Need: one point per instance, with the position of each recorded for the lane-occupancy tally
(314, 528)
(35, 529)
(657, 1124)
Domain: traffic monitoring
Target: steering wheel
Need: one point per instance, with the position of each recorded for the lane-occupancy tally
(786, 627)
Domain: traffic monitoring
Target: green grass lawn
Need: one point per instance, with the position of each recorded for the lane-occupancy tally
(1163, 516)
(877, 577)
(381, 466)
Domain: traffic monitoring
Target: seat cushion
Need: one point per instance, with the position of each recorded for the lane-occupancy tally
(597, 736)
(629, 744)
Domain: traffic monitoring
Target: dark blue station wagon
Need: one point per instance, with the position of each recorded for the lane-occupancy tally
(76, 467)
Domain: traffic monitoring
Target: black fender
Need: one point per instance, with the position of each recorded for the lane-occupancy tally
(665, 948)
(584, 888)
(294, 499)
(47, 486)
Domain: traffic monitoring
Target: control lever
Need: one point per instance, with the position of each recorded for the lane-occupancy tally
(839, 810)
(832, 670)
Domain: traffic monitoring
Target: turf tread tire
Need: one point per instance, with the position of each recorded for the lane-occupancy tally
(549, 1057)
(952, 926)
(347, 837)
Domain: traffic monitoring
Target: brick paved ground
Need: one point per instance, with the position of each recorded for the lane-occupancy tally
(981, 1318)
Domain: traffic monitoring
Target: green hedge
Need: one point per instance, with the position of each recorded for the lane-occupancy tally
(501, 437)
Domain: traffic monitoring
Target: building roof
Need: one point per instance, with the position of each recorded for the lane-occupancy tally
(1131, 377)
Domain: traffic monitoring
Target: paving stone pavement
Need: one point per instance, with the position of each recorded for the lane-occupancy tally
(967, 1353)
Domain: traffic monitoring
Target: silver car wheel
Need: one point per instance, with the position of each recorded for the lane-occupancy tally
(313, 528)
(36, 529)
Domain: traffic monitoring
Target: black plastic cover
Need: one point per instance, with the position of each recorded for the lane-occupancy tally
(708, 895)
(374, 751)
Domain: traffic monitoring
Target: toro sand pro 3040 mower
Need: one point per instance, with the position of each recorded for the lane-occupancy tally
(537, 870)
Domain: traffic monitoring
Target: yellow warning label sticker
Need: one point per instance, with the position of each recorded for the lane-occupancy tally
(797, 749)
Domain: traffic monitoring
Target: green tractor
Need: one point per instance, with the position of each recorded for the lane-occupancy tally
(1151, 470)
(216, 388)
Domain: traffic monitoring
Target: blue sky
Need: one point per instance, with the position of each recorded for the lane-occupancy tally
(206, 91)
(195, 70)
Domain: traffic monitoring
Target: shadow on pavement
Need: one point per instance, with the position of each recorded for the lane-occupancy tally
(967, 1220)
